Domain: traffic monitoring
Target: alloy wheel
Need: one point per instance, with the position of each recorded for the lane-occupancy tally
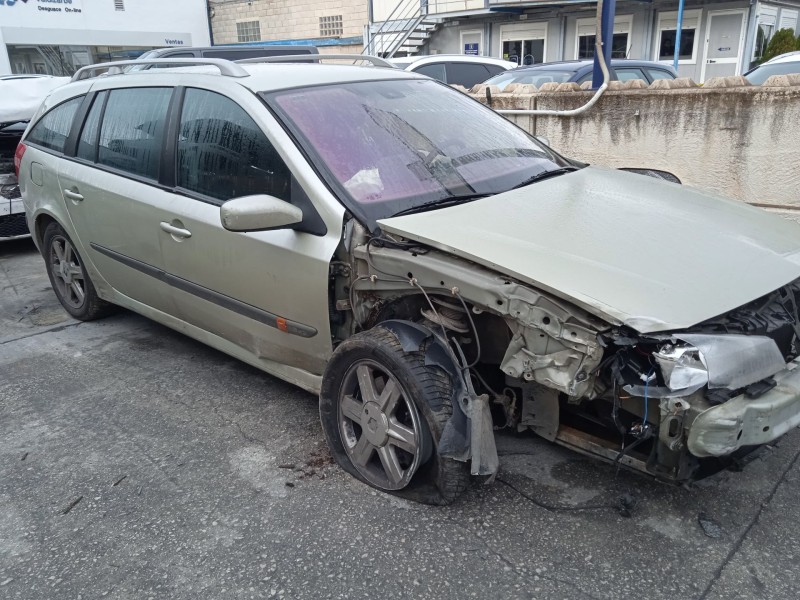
(67, 272)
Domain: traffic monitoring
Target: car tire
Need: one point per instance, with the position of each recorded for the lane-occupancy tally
(71, 283)
(419, 399)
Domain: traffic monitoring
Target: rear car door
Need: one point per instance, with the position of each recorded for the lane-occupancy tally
(109, 184)
(266, 292)
(466, 74)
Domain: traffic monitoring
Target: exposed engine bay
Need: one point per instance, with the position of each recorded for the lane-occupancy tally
(529, 360)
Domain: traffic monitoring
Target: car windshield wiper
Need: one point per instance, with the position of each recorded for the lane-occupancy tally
(544, 175)
(439, 203)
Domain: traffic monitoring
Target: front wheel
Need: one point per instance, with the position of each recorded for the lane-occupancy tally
(383, 411)
(69, 278)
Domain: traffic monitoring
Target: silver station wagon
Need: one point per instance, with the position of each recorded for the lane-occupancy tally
(429, 269)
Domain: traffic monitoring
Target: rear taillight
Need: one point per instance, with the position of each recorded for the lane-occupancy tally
(18, 158)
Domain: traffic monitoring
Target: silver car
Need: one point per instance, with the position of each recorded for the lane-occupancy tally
(432, 271)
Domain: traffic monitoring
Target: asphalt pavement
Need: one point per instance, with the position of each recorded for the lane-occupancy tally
(137, 463)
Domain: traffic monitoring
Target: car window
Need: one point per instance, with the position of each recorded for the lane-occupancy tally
(761, 73)
(132, 130)
(628, 73)
(223, 154)
(494, 70)
(532, 77)
(388, 146)
(51, 130)
(659, 74)
(87, 143)
(466, 74)
(436, 71)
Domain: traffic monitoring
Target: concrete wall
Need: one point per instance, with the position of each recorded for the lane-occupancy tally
(739, 141)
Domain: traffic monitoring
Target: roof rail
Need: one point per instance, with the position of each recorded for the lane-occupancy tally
(226, 67)
(290, 58)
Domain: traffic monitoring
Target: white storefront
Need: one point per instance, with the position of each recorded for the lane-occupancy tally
(58, 36)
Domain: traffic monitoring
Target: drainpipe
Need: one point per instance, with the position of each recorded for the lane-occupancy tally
(209, 16)
(678, 31)
(593, 100)
(609, 9)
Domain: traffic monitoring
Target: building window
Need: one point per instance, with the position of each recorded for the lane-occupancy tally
(524, 43)
(667, 33)
(248, 31)
(620, 43)
(330, 26)
(119, 5)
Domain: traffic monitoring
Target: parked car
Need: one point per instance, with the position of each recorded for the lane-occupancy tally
(237, 52)
(427, 267)
(785, 64)
(20, 96)
(455, 69)
(579, 71)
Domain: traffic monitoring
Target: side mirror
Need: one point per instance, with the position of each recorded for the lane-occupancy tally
(257, 213)
(542, 139)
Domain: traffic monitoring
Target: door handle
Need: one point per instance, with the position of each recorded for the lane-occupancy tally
(176, 231)
(711, 61)
(73, 195)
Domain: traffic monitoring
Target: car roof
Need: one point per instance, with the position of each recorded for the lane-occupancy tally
(262, 77)
(465, 58)
(576, 65)
(788, 57)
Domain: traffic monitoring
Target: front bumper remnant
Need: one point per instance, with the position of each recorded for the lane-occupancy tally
(743, 421)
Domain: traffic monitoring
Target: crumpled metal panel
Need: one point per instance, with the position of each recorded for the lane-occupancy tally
(735, 361)
(606, 241)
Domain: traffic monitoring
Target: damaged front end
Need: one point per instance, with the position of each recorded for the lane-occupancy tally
(677, 405)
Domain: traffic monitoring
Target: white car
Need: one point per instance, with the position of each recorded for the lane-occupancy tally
(455, 69)
(784, 64)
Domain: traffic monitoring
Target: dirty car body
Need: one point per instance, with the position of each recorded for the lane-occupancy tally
(434, 272)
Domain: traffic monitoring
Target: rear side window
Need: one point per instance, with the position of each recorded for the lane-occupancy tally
(132, 130)
(494, 70)
(628, 73)
(466, 74)
(87, 142)
(659, 74)
(223, 154)
(435, 71)
(52, 129)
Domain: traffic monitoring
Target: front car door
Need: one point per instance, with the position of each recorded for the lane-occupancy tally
(265, 292)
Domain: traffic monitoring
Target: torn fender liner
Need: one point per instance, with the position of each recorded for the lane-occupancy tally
(736, 361)
(469, 434)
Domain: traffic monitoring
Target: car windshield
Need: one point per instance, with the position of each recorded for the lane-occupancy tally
(392, 146)
(761, 73)
(534, 77)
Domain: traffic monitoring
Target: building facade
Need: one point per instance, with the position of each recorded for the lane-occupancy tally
(718, 37)
(332, 26)
(57, 37)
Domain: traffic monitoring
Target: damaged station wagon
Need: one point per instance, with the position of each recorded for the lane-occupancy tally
(432, 271)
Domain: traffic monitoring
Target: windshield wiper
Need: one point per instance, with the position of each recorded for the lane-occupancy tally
(439, 203)
(544, 175)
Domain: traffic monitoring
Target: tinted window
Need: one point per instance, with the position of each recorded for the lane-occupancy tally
(223, 154)
(494, 70)
(435, 71)
(52, 130)
(659, 74)
(132, 130)
(466, 74)
(87, 143)
(628, 73)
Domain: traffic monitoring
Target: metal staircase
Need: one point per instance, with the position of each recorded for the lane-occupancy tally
(407, 28)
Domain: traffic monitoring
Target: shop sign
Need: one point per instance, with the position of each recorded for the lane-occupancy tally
(471, 49)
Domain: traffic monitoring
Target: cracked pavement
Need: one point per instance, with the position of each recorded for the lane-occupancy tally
(137, 463)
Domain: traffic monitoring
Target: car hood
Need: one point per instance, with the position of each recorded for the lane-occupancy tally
(653, 255)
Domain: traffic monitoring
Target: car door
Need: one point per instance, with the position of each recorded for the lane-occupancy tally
(266, 292)
(112, 195)
(466, 74)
